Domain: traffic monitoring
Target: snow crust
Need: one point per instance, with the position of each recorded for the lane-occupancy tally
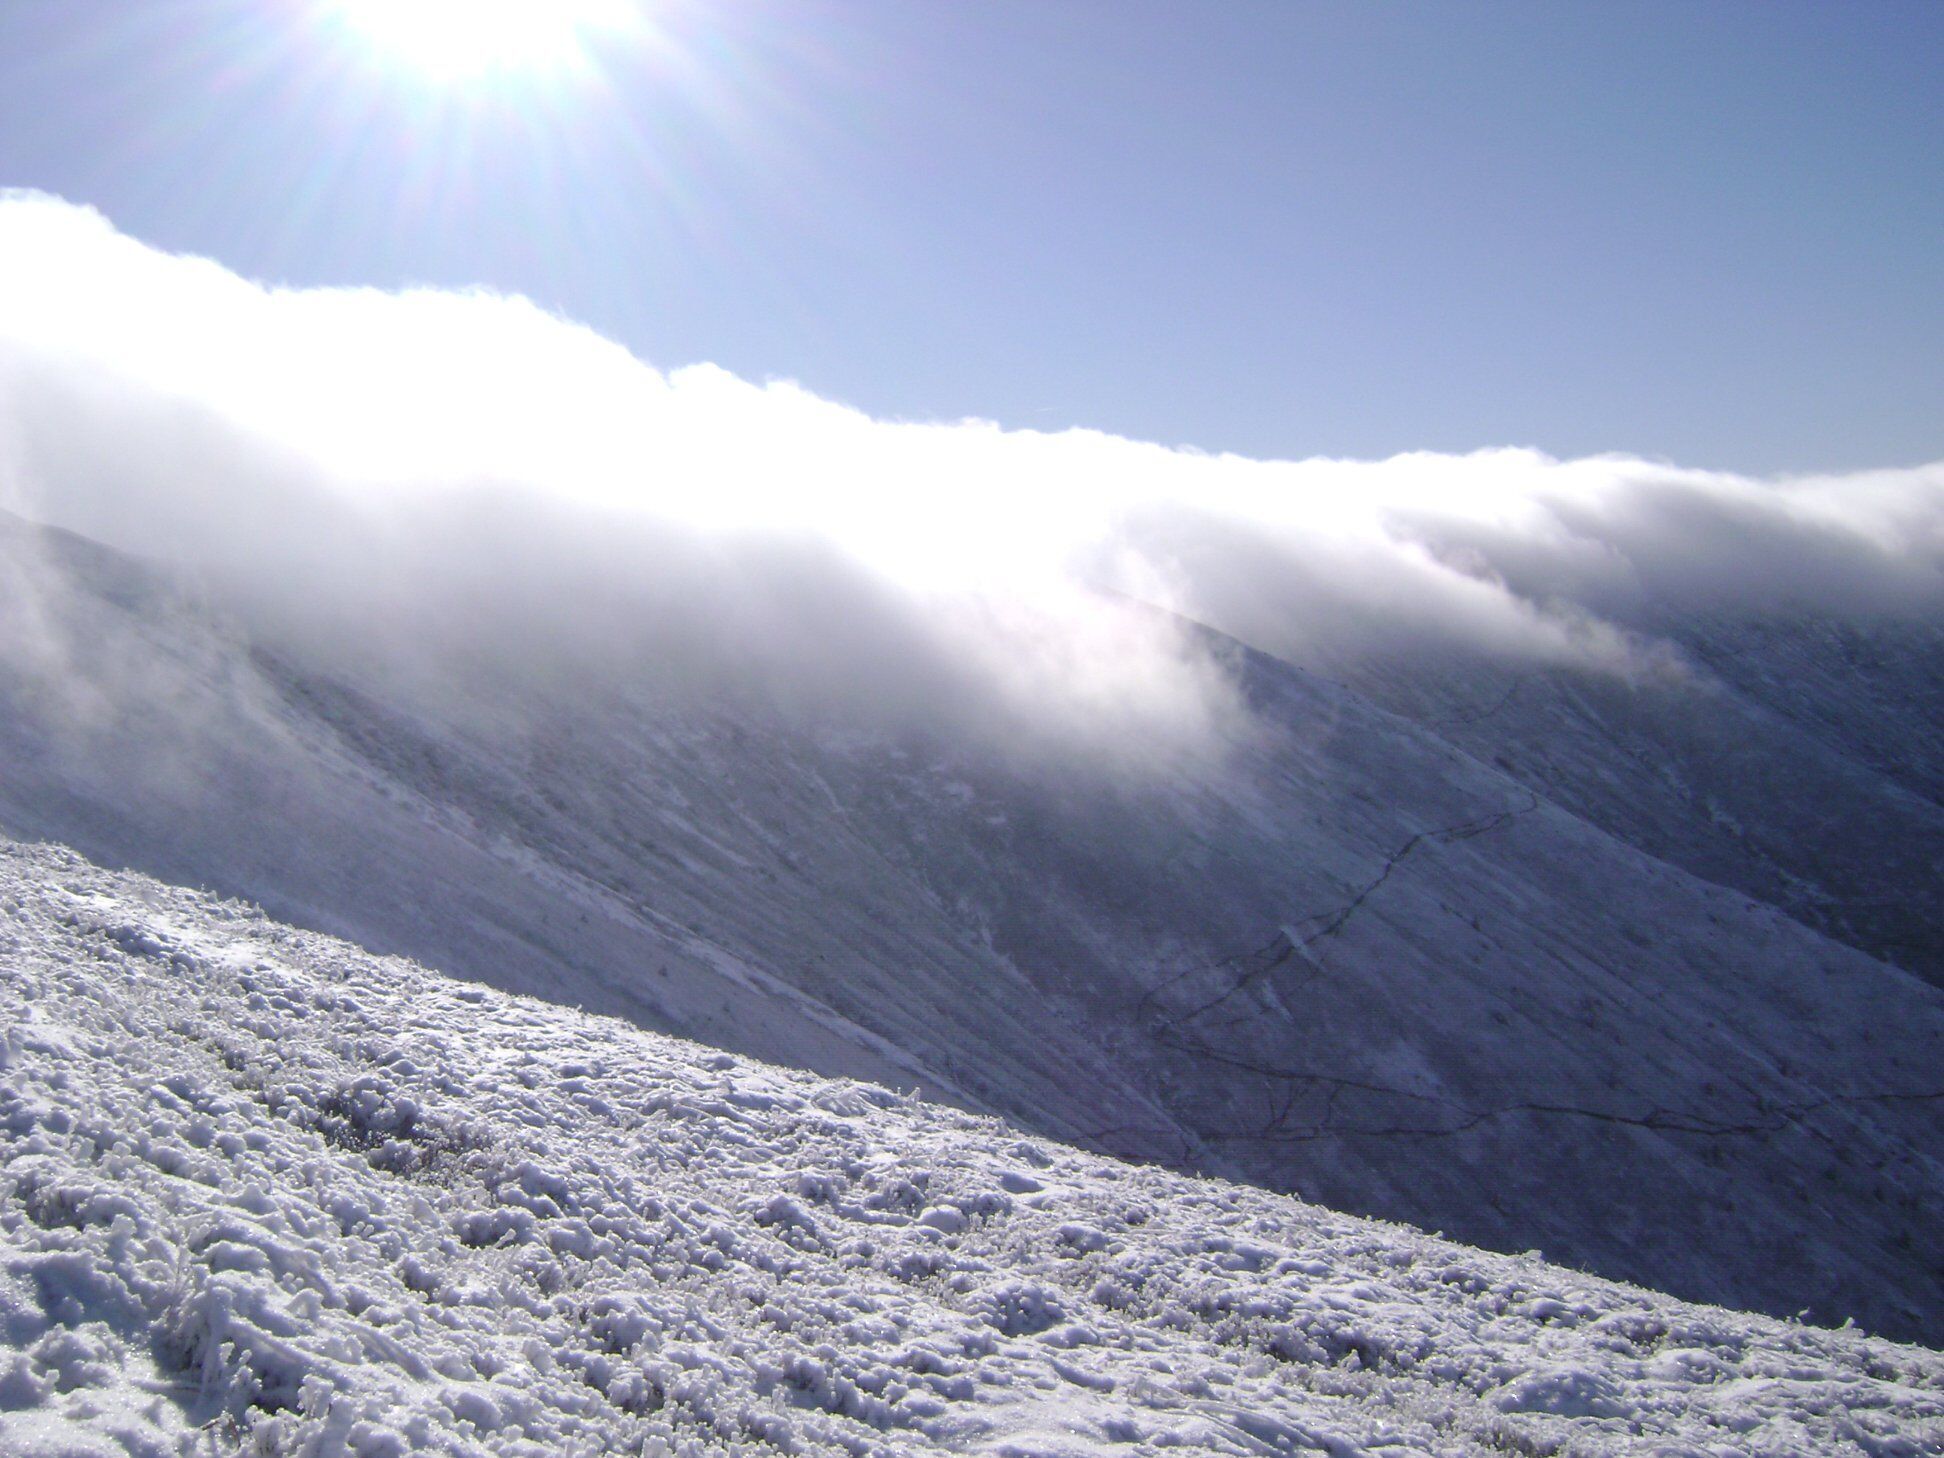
(262, 1192)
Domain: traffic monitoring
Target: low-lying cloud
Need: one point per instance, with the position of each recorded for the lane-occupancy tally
(429, 476)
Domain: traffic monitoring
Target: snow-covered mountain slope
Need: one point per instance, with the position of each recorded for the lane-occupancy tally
(1800, 760)
(261, 1192)
(1344, 957)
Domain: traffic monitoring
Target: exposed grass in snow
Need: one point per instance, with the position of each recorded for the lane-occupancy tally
(262, 1192)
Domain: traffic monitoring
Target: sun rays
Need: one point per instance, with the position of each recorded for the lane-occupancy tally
(459, 40)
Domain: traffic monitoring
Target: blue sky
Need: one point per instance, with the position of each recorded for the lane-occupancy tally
(1711, 232)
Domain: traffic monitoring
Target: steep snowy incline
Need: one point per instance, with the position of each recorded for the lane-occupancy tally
(262, 1192)
(1798, 760)
(1344, 957)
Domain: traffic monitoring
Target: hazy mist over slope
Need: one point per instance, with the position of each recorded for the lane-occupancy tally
(466, 475)
(1538, 850)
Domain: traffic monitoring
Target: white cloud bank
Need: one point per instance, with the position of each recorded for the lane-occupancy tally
(468, 471)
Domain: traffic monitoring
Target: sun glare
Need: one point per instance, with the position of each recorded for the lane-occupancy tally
(458, 39)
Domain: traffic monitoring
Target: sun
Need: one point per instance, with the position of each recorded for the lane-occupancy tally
(451, 40)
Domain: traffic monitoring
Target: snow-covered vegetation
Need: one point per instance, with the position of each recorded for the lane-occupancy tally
(263, 1192)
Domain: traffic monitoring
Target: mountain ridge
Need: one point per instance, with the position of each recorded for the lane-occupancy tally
(1471, 967)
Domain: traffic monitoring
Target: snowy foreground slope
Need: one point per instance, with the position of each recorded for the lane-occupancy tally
(263, 1192)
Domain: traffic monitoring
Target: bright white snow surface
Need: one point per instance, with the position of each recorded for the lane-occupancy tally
(263, 1192)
